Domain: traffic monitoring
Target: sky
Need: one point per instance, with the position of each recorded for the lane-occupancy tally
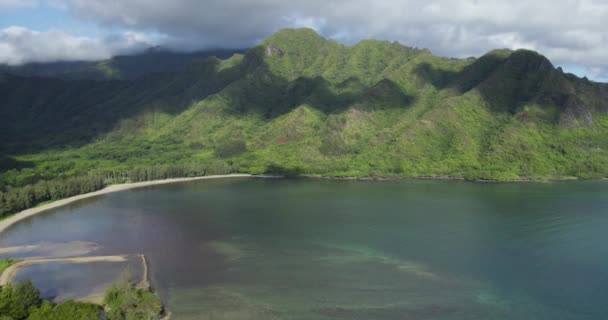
(573, 34)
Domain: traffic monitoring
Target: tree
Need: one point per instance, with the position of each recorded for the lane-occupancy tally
(124, 301)
(17, 300)
(229, 148)
(68, 310)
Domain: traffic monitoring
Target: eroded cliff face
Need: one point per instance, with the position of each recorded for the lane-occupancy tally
(272, 50)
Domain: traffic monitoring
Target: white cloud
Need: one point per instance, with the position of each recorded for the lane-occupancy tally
(20, 45)
(17, 4)
(567, 31)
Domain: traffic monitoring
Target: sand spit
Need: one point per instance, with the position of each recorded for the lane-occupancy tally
(10, 272)
(49, 249)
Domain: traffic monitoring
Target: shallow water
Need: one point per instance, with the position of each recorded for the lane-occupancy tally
(61, 281)
(322, 249)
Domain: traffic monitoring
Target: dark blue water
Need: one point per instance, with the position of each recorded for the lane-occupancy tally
(320, 249)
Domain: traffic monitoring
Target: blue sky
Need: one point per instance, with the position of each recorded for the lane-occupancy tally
(571, 33)
(46, 17)
(41, 18)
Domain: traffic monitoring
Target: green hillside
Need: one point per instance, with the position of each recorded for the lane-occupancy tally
(301, 103)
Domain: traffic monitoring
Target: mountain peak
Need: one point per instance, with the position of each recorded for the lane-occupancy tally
(293, 34)
(287, 41)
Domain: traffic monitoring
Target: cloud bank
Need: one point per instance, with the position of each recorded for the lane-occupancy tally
(19, 45)
(569, 32)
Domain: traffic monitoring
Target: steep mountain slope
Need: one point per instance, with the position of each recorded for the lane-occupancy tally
(299, 102)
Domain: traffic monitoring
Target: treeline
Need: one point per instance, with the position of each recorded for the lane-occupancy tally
(123, 301)
(22, 301)
(16, 199)
(160, 172)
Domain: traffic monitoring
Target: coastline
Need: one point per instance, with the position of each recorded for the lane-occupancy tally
(95, 297)
(27, 213)
(10, 272)
(444, 178)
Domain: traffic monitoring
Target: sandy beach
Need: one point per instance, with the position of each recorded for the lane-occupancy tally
(25, 214)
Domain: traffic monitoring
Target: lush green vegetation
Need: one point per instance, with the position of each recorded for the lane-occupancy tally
(68, 310)
(16, 301)
(17, 199)
(5, 263)
(299, 103)
(123, 301)
(22, 301)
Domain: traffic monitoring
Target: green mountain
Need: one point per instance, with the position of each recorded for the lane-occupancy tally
(302, 103)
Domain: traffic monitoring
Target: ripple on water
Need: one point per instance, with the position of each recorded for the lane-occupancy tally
(48, 250)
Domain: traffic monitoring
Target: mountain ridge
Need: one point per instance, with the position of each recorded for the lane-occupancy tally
(304, 103)
(121, 67)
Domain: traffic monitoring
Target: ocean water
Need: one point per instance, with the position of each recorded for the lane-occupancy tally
(324, 249)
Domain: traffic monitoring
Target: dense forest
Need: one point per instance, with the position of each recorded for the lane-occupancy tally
(15, 199)
(298, 103)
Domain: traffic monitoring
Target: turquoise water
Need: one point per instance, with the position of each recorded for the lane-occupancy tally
(322, 249)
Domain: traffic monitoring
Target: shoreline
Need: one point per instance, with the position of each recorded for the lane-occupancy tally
(28, 213)
(442, 178)
(10, 272)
